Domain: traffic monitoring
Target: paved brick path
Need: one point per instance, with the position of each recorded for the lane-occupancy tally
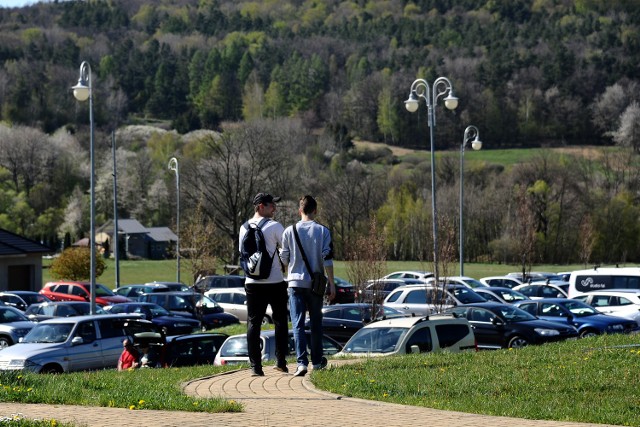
(276, 400)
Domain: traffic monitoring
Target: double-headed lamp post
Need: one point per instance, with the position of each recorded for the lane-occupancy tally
(420, 89)
(173, 166)
(469, 133)
(83, 91)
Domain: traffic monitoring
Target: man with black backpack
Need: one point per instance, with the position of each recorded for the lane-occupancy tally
(260, 239)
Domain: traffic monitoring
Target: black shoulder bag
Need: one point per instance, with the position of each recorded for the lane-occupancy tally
(318, 279)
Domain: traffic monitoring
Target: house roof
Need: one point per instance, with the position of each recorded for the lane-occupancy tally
(12, 244)
(162, 234)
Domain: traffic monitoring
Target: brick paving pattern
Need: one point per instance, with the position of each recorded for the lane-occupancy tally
(275, 400)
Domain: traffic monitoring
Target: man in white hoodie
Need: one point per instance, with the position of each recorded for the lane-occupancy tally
(316, 241)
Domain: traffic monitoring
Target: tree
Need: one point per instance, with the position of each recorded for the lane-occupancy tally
(75, 264)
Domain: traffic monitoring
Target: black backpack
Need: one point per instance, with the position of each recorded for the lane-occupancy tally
(254, 258)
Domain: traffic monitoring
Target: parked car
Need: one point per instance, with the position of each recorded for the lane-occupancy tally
(377, 290)
(234, 301)
(541, 290)
(469, 282)
(13, 300)
(194, 305)
(67, 344)
(220, 281)
(423, 300)
(133, 292)
(173, 286)
(49, 310)
(506, 326)
(80, 291)
(234, 350)
(31, 297)
(411, 335)
(341, 321)
(500, 295)
(171, 324)
(410, 274)
(13, 326)
(501, 281)
(191, 350)
(585, 318)
(345, 291)
(621, 303)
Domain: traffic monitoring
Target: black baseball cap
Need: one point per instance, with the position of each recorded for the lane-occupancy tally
(264, 198)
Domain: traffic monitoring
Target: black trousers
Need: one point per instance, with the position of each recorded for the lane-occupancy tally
(259, 296)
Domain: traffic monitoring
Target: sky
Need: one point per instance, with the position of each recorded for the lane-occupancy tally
(17, 3)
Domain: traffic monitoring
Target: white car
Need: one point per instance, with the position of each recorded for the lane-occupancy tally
(409, 274)
(234, 301)
(621, 303)
(405, 335)
(501, 281)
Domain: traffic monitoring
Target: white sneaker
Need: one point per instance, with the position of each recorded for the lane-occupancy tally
(301, 371)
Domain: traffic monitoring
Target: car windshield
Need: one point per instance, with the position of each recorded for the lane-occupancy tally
(580, 309)
(157, 310)
(8, 315)
(375, 340)
(102, 291)
(466, 296)
(49, 333)
(235, 347)
(514, 314)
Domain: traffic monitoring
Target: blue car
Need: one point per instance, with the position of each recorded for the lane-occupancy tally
(171, 324)
(585, 318)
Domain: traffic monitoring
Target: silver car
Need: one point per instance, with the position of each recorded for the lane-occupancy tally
(74, 343)
(13, 326)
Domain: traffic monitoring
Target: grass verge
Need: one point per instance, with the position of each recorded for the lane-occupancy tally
(135, 389)
(593, 380)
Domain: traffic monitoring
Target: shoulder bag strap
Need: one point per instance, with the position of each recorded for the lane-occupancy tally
(304, 256)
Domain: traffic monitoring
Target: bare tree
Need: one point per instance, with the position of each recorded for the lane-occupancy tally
(367, 260)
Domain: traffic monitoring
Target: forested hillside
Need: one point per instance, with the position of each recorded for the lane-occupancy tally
(277, 77)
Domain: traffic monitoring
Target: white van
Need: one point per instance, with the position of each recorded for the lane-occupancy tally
(602, 279)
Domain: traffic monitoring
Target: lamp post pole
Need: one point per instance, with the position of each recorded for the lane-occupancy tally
(470, 132)
(116, 247)
(83, 91)
(420, 89)
(173, 166)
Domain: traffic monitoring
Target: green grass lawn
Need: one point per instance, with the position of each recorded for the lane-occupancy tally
(593, 380)
(147, 271)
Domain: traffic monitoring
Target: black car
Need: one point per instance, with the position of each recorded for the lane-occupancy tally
(194, 305)
(133, 292)
(190, 350)
(30, 297)
(51, 309)
(171, 324)
(345, 292)
(341, 321)
(221, 281)
(506, 326)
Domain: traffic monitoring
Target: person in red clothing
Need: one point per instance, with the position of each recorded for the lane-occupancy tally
(129, 357)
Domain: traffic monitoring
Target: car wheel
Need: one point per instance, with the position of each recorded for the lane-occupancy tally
(266, 320)
(518, 342)
(5, 342)
(588, 333)
(51, 369)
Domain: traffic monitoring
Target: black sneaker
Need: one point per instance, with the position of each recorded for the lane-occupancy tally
(257, 371)
(323, 364)
(281, 368)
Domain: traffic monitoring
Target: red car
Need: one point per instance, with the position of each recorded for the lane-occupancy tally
(80, 291)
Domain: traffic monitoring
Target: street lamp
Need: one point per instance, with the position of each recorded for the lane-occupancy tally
(420, 89)
(173, 166)
(476, 144)
(83, 91)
